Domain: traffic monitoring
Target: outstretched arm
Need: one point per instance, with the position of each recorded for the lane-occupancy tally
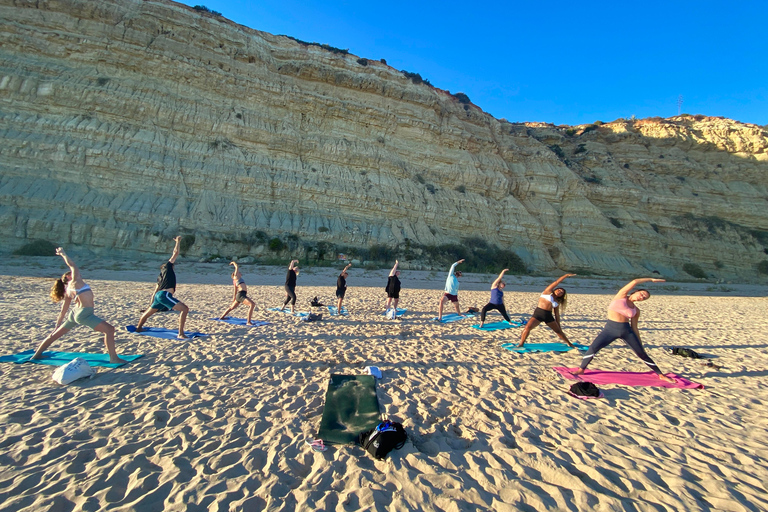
(175, 250)
(394, 269)
(346, 268)
(71, 264)
(625, 290)
(498, 279)
(551, 287)
(453, 267)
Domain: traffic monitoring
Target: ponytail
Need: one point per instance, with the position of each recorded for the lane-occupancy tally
(58, 290)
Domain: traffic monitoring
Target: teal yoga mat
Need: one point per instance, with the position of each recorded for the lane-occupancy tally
(351, 407)
(60, 358)
(541, 347)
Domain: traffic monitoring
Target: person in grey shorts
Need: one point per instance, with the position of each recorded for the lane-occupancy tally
(162, 297)
(71, 288)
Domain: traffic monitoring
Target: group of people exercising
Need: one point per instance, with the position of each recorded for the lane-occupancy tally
(622, 322)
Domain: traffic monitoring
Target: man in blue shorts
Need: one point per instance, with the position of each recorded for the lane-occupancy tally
(162, 298)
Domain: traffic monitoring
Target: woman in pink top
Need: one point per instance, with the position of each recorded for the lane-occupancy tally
(622, 323)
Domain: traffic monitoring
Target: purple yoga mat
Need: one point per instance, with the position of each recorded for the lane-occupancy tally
(627, 378)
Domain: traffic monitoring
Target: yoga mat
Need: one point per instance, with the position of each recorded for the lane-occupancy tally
(241, 321)
(160, 332)
(497, 326)
(627, 378)
(351, 407)
(287, 311)
(60, 358)
(453, 317)
(400, 312)
(541, 347)
(333, 312)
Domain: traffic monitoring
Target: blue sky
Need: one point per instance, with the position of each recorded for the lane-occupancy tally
(551, 61)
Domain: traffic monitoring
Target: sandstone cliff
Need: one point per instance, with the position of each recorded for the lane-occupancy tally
(125, 122)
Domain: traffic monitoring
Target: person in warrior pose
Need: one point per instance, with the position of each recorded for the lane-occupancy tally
(623, 315)
(497, 299)
(451, 291)
(162, 297)
(290, 285)
(552, 300)
(393, 286)
(341, 288)
(71, 287)
(240, 294)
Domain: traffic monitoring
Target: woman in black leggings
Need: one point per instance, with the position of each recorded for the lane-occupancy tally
(622, 323)
(497, 299)
(290, 285)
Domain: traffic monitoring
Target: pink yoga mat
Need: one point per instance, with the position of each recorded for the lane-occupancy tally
(627, 378)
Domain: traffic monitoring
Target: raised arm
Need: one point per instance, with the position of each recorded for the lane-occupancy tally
(71, 264)
(293, 264)
(175, 250)
(346, 268)
(235, 265)
(394, 269)
(551, 287)
(498, 279)
(625, 290)
(453, 267)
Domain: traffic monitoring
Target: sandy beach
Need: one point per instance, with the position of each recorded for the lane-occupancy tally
(219, 423)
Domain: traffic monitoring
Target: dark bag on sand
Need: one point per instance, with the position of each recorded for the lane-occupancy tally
(316, 303)
(472, 310)
(585, 389)
(312, 317)
(685, 352)
(387, 436)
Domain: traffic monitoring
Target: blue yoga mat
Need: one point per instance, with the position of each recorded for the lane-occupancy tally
(60, 358)
(400, 312)
(241, 321)
(333, 312)
(160, 332)
(541, 347)
(497, 326)
(453, 317)
(287, 311)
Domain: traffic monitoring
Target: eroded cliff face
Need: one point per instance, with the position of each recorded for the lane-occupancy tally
(126, 122)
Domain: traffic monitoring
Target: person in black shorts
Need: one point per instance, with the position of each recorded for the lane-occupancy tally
(162, 297)
(393, 286)
(552, 300)
(240, 294)
(290, 285)
(341, 288)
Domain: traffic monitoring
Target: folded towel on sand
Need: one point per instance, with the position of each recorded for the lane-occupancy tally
(400, 312)
(351, 407)
(541, 347)
(241, 321)
(332, 310)
(627, 378)
(160, 332)
(497, 326)
(60, 358)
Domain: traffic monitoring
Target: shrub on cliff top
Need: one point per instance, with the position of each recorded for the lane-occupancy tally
(463, 98)
(202, 8)
(36, 248)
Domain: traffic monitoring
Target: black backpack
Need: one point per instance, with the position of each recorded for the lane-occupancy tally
(316, 303)
(585, 389)
(685, 352)
(387, 436)
(312, 317)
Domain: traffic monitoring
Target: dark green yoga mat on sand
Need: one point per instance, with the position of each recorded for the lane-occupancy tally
(351, 407)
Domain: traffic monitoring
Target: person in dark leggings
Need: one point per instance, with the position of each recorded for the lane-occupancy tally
(552, 300)
(341, 288)
(290, 285)
(497, 299)
(393, 287)
(622, 323)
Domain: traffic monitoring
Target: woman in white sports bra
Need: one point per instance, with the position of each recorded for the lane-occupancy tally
(552, 300)
(69, 288)
(622, 323)
(240, 295)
